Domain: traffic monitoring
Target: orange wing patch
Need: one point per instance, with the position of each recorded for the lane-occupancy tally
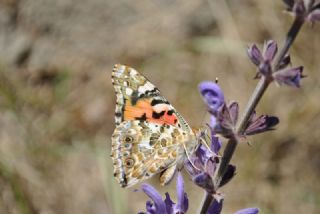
(143, 110)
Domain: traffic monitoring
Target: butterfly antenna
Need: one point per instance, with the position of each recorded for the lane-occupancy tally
(203, 141)
(185, 148)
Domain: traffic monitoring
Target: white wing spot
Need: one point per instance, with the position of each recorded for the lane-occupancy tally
(129, 91)
(133, 72)
(160, 107)
(146, 87)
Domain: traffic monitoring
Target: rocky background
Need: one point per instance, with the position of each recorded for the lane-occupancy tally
(57, 101)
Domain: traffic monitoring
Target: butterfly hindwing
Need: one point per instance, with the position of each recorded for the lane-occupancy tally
(141, 149)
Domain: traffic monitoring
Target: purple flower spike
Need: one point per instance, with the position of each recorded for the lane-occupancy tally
(212, 95)
(182, 203)
(290, 77)
(158, 206)
(215, 207)
(248, 211)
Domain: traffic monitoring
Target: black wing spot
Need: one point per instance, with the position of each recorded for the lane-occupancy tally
(170, 112)
(142, 118)
(134, 97)
(156, 115)
(151, 92)
(156, 102)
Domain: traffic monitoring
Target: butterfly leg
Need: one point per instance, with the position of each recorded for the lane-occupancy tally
(167, 175)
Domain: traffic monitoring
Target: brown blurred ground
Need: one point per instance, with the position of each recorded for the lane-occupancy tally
(57, 101)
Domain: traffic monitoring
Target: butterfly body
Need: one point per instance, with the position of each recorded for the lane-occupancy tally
(150, 137)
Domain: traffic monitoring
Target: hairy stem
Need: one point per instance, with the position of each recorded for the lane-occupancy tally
(250, 107)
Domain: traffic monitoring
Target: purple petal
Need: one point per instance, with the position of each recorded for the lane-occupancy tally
(182, 200)
(204, 181)
(225, 123)
(150, 208)
(212, 95)
(261, 124)
(234, 112)
(314, 16)
(190, 167)
(290, 77)
(215, 143)
(211, 166)
(248, 211)
(155, 197)
(203, 154)
(228, 175)
(169, 204)
(254, 54)
(215, 207)
(264, 68)
(270, 50)
(213, 121)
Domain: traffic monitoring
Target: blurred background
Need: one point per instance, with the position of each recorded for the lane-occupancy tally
(57, 101)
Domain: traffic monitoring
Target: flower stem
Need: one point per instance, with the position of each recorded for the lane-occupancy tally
(250, 107)
(291, 36)
(206, 203)
(225, 160)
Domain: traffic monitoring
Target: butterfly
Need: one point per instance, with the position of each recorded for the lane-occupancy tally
(150, 137)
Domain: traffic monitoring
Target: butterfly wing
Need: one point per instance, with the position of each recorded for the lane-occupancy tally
(141, 149)
(150, 135)
(139, 99)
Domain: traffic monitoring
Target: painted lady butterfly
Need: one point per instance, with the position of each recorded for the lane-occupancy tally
(150, 136)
